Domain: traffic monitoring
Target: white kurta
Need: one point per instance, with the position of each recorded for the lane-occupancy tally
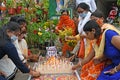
(23, 47)
(82, 22)
(91, 4)
(18, 50)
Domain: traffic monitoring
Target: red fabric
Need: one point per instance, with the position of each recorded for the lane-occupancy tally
(81, 52)
(64, 22)
(66, 47)
(29, 52)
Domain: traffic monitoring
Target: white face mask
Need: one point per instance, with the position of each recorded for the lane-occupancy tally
(83, 14)
(14, 38)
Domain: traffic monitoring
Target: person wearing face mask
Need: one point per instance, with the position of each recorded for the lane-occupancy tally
(84, 16)
(22, 22)
(7, 47)
(65, 23)
(21, 43)
(6, 65)
(88, 64)
(97, 16)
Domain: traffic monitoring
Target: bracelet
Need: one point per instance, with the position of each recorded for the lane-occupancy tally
(115, 69)
(80, 63)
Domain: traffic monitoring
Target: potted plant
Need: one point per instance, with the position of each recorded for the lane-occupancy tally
(41, 33)
(11, 5)
(46, 34)
(19, 7)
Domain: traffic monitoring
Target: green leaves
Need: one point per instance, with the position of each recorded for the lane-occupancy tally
(118, 2)
(41, 32)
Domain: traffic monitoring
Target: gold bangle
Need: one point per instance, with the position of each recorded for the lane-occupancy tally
(115, 69)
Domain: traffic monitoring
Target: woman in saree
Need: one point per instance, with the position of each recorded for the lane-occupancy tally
(109, 47)
(90, 70)
(65, 23)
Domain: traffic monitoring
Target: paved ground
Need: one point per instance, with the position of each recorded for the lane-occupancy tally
(22, 76)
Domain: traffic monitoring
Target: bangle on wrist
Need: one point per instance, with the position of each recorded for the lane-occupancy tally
(115, 69)
(80, 64)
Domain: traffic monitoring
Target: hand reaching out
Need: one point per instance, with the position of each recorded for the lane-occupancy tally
(76, 66)
(34, 73)
(71, 58)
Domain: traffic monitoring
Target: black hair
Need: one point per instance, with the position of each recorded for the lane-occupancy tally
(12, 26)
(98, 14)
(14, 18)
(84, 6)
(19, 19)
(90, 25)
(65, 10)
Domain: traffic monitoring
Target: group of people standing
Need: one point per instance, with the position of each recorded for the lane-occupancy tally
(98, 46)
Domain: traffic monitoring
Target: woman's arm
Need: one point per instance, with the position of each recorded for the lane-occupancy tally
(116, 41)
(114, 37)
(114, 70)
(85, 60)
(12, 53)
(117, 68)
(89, 57)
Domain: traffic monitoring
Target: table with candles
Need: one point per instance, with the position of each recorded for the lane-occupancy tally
(54, 68)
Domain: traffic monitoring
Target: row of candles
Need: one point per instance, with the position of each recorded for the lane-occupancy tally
(54, 66)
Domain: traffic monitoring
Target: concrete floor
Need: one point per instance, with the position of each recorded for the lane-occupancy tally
(22, 76)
